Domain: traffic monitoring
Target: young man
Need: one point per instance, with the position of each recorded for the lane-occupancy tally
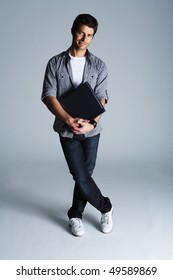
(79, 138)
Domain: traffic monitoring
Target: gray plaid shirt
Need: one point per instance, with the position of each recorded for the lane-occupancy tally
(59, 79)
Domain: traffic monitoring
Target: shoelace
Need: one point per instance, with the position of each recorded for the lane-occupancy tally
(105, 218)
(76, 223)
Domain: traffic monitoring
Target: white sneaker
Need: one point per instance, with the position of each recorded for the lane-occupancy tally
(106, 223)
(77, 226)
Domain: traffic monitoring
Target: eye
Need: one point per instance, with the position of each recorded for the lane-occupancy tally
(80, 32)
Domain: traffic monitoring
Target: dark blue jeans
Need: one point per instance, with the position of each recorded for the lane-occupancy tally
(80, 154)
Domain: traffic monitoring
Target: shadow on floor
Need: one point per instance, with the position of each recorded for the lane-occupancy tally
(34, 204)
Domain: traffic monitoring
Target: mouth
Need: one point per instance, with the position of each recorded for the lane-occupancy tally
(82, 44)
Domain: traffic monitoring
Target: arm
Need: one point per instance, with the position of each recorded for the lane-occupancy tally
(50, 100)
(56, 109)
(103, 102)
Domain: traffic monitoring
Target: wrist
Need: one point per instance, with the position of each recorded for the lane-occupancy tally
(69, 121)
(93, 122)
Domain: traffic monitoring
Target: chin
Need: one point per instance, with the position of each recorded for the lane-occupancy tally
(82, 48)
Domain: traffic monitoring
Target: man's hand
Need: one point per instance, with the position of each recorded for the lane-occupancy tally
(80, 126)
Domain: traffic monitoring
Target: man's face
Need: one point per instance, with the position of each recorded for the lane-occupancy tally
(83, 37)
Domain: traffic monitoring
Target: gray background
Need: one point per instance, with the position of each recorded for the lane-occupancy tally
(135, 161)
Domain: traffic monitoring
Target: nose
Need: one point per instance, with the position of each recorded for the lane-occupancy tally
(83, 37)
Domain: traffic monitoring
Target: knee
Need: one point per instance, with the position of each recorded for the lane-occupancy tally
(81, 177)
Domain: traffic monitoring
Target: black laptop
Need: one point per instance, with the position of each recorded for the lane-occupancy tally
(82, 103)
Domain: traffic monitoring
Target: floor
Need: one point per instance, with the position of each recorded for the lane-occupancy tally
(35, 196)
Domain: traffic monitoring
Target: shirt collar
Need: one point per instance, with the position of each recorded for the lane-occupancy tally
(88, 54)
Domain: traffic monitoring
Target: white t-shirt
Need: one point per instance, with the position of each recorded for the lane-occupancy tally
(77, 65)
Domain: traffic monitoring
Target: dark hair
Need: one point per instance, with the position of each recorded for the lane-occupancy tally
(84, 19)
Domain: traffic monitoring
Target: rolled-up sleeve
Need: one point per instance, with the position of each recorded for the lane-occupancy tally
(101, 86)
(50, 81)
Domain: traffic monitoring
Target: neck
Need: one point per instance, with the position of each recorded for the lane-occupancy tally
(77, 53)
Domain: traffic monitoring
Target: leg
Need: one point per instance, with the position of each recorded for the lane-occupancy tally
(81, 164)
(90, 154)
